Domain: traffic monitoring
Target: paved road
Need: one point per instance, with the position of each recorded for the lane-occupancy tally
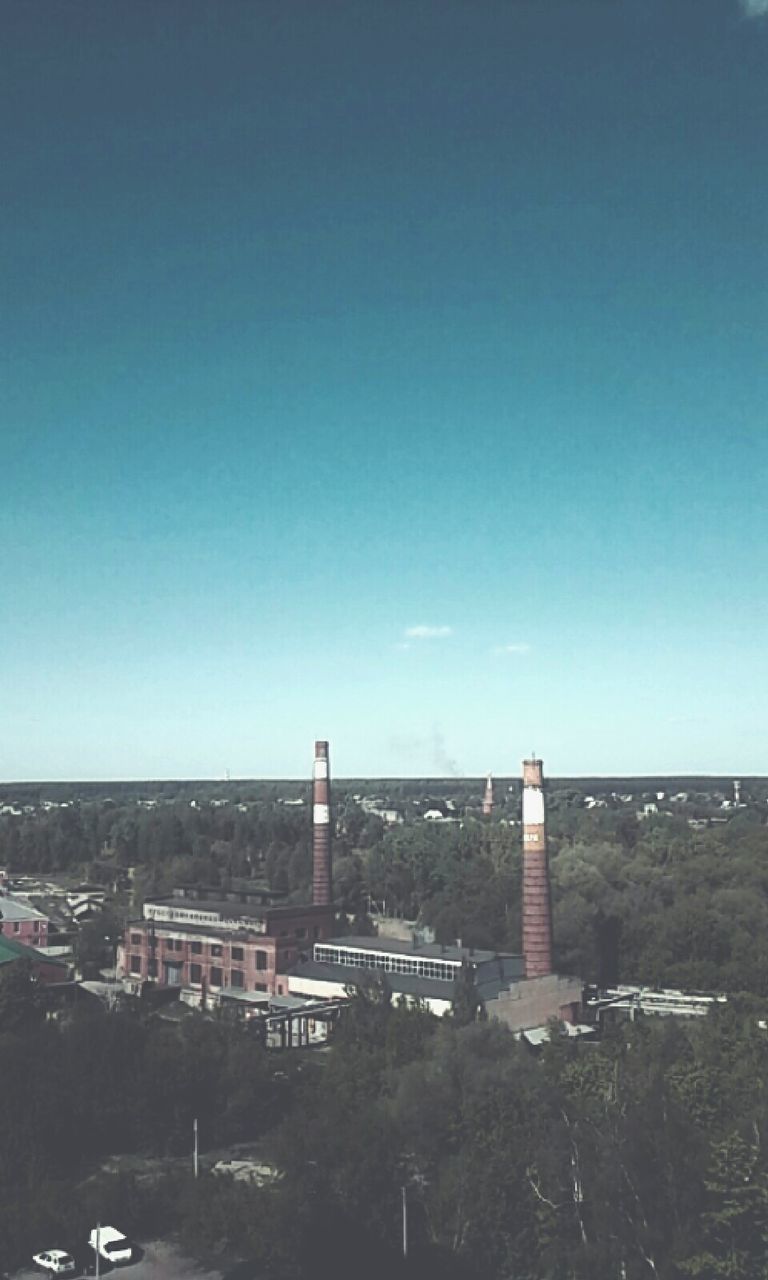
(160, 1261)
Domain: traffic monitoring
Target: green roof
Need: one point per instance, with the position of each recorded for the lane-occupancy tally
(10, 950)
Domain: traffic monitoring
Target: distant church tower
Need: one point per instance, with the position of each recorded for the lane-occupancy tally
(537, 905)
(488, 797)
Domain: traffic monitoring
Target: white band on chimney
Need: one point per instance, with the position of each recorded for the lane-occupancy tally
(321, 815)
(533, 806)
(321, 768)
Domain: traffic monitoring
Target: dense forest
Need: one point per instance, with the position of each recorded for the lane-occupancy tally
(642, 1155)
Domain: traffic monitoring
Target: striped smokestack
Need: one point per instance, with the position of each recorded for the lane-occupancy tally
(321, 828)
(488, 797)
(537, 907)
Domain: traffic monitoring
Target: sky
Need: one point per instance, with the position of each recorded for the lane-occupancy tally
(392, 373)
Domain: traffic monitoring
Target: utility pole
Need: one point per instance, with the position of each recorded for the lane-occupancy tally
(195, 1164)
(405, 1222)
(98, 1242)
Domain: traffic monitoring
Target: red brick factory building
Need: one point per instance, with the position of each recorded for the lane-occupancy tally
(241, 939)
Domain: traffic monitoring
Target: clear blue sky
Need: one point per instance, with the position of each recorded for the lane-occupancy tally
(328, 322)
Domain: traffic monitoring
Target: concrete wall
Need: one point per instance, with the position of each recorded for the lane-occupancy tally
(532, 1002)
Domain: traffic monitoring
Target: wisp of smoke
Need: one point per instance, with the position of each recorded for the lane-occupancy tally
(444, 762)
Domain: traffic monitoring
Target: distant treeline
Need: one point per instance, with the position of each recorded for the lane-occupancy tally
(269, 790)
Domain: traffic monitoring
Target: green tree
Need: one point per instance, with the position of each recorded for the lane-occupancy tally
(735, 1221)
(467, 1003)
(20, 999)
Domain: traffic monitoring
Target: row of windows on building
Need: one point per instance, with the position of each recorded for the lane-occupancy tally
(389, 963)
(196, 948)
(215, 975)
(237, 954)
(216, 949)
(17, 926)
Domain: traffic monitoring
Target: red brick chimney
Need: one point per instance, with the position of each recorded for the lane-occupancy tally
(322, 894)
(537, 905)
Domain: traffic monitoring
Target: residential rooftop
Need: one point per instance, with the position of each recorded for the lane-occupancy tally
(10, 950)
(13, 909)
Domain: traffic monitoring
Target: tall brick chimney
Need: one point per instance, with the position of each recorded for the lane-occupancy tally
(537, 905)
(322, 894)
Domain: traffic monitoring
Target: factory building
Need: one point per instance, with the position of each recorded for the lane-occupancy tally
(245, 939)
(413, 970)
(199, 939)
(427, 972)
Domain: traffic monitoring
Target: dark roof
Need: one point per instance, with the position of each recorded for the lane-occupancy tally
(218, 932)
(229, 910)
(219, 906)
(425, 950)
(498, 975)
(237, 891)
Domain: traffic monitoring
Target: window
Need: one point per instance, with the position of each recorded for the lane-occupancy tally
(259, 986)
(196, 948)
(152, 969)
(217, 950)
(135, 939)
(236, 979)
(301, 933)
(261, 960)
(237, 953)
(215, 978)
(196, 974)
(16, 926)
(36, 926)
(316, 932)
(135, 964)
(279, 989)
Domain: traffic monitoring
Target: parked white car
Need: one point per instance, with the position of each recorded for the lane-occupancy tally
(56, 1261)
(111, 1244)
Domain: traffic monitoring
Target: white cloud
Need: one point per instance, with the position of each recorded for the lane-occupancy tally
(754, 8)
(512, 648)
(427, 633)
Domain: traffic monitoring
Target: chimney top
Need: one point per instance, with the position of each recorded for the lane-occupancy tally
(533, 773)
